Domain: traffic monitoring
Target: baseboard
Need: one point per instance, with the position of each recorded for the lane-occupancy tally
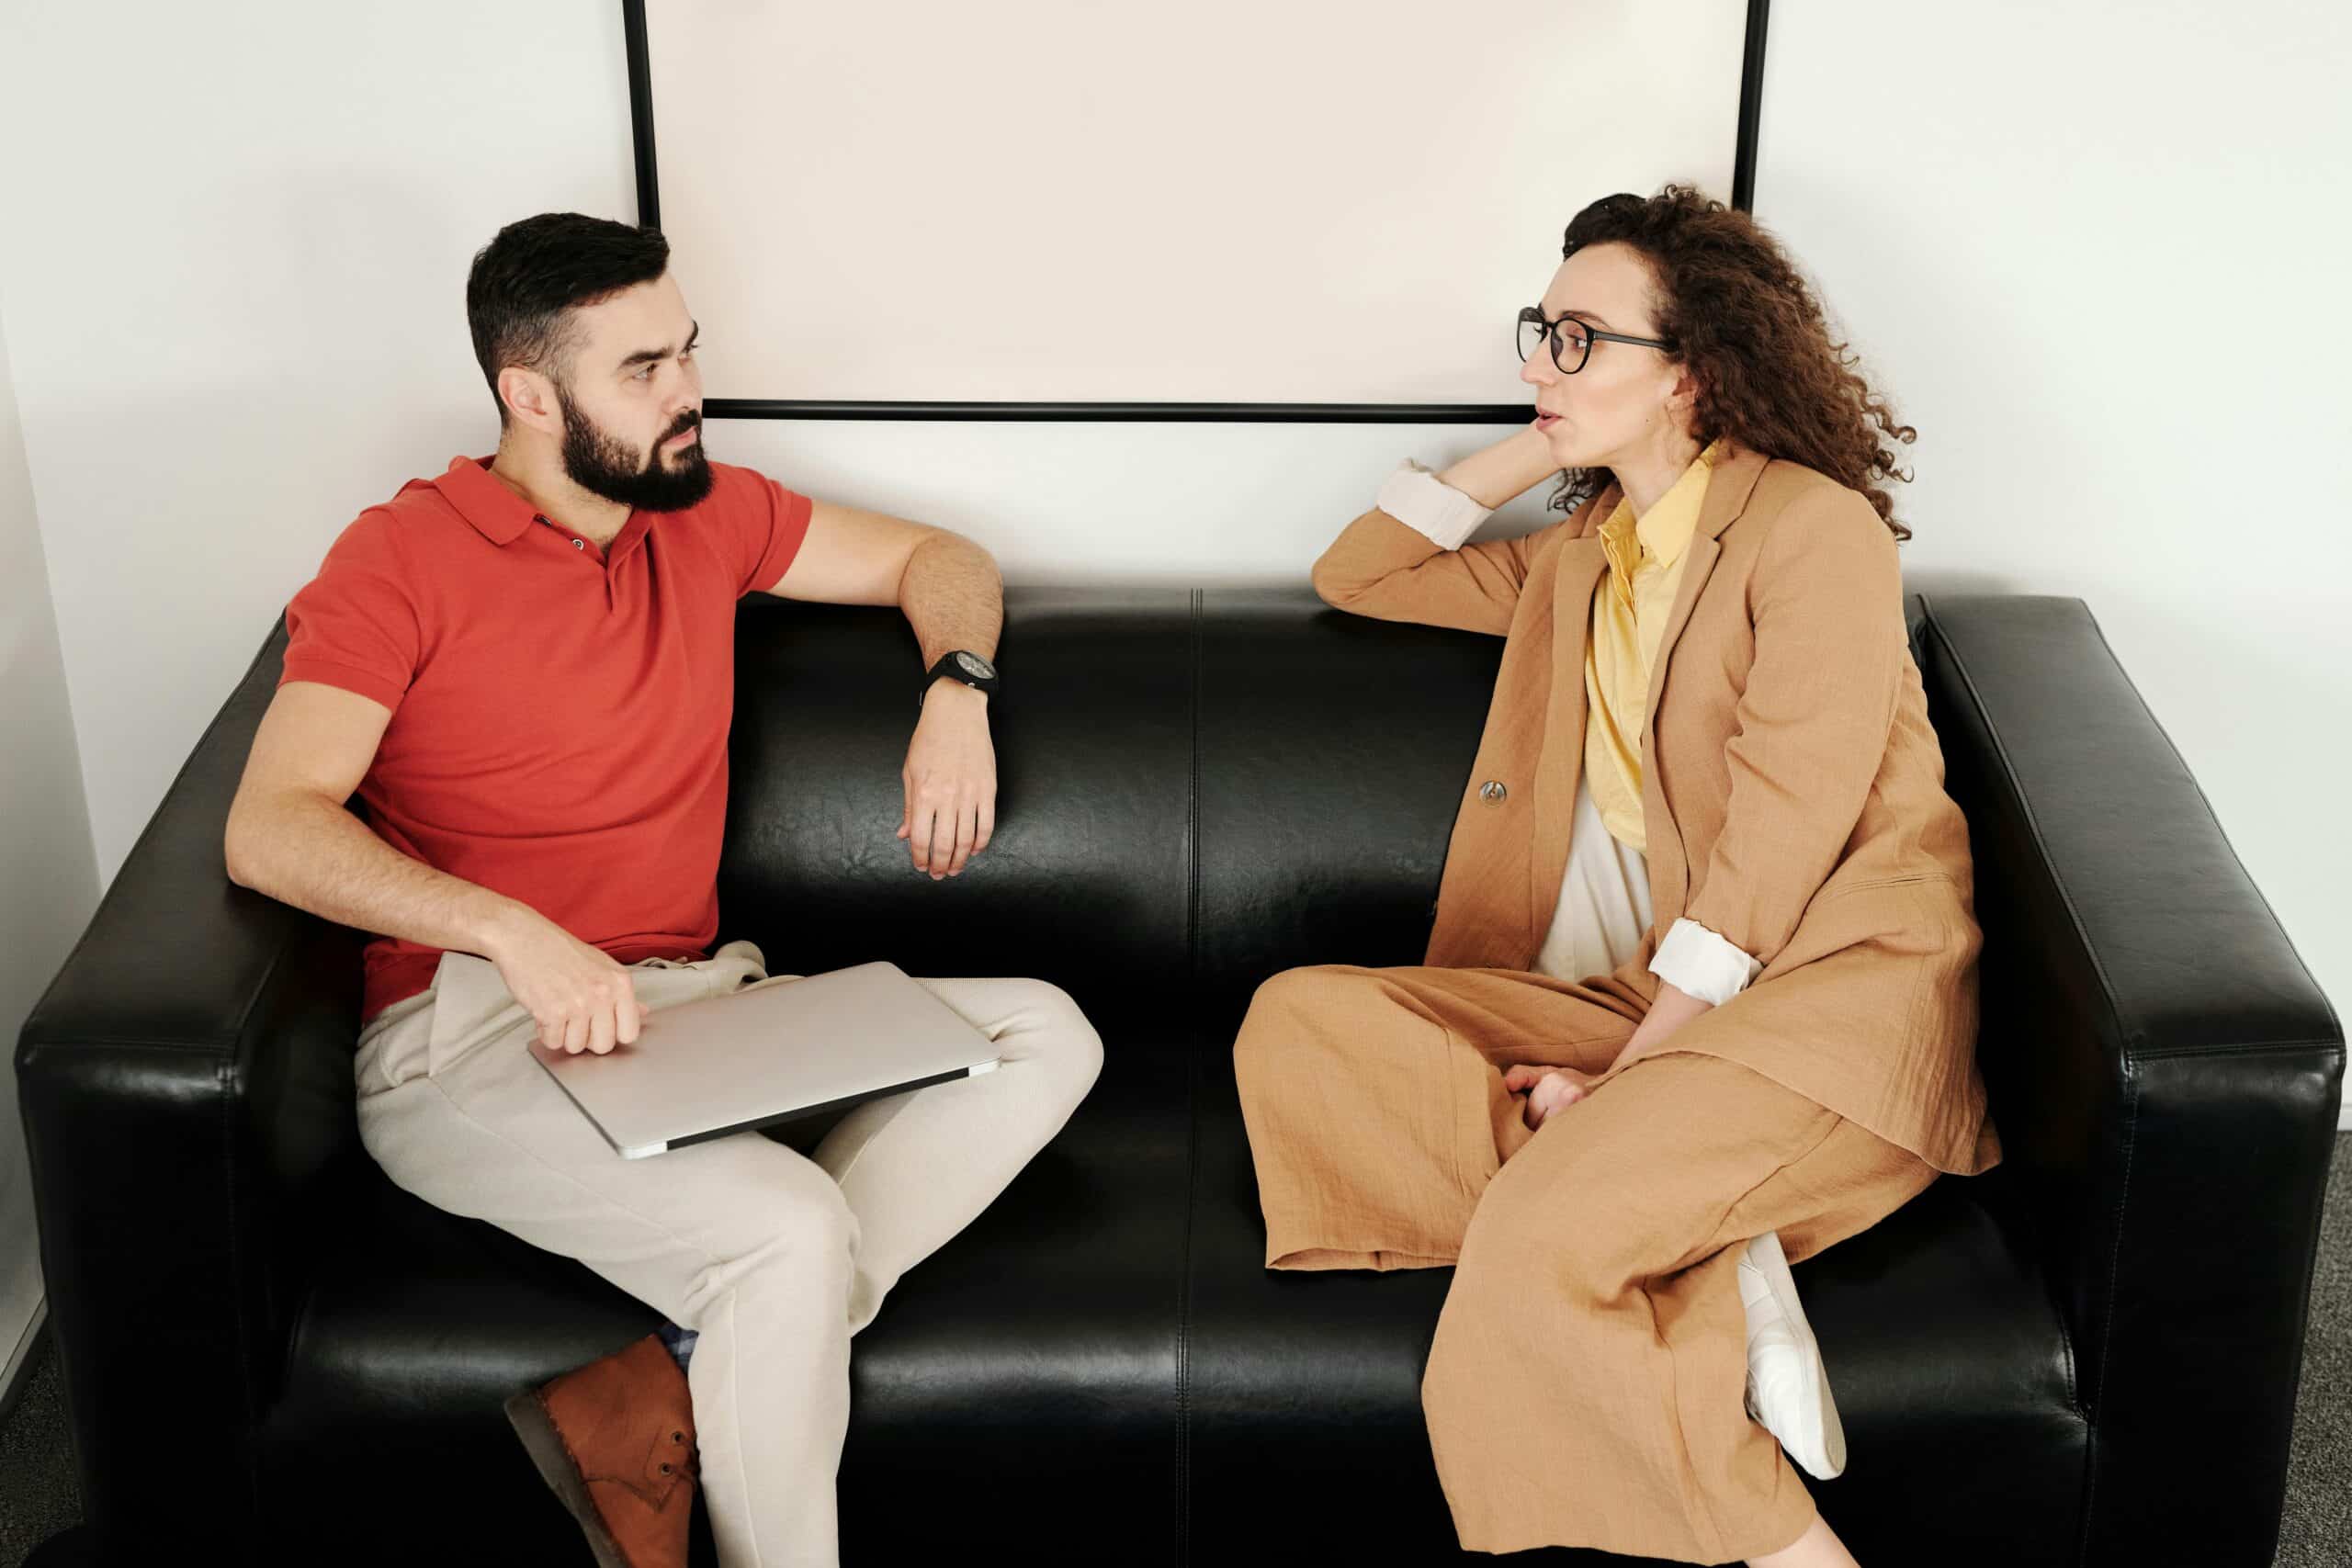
(20, 1360)
(2344, 1116)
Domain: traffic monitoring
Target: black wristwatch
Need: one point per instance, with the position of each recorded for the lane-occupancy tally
(968, 668)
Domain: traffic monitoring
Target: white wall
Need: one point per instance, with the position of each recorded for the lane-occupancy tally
(232, 283)
(49, 877)
(2098, 252)
(235, 284)
(236, 298)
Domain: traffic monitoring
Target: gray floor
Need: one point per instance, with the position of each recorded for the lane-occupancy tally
(36, 1492)
(38, 1497)
(2317, 1531)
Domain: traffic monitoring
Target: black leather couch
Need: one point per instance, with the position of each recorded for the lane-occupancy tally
(2086, 1355)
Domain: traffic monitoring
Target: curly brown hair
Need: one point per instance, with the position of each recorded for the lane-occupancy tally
(1735, 311)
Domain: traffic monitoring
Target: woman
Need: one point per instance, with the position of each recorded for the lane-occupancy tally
(1703, 967)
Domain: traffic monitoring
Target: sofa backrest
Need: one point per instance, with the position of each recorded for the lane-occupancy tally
(1198, 789)
(1087, 880)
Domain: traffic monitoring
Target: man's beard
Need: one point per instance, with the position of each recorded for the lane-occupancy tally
(603, 466)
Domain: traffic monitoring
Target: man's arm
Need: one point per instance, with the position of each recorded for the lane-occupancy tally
(291, 837)
(947, 586)
(953, 597)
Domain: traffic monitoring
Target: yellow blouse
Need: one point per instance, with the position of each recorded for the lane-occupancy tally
(1630, 605)
(1604, 910)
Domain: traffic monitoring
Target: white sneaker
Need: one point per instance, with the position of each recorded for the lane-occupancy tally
(1788, 1388)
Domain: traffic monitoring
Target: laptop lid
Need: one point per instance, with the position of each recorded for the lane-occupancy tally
(720, 1064)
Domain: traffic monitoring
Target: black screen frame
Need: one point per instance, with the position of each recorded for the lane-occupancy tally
(649, 213)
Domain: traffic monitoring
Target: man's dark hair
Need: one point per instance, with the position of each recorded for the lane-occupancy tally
(524, 284)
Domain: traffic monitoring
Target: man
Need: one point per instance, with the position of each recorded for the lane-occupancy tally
(523, 669)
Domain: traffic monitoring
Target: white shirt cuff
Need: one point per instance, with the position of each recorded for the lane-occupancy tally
(1416, 497)
(1703, 964)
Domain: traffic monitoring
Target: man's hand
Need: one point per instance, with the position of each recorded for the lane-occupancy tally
(950, 779)
(580, 998)
(1548, 1090)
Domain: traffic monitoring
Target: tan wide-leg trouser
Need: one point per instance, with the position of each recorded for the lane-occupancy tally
(1585, 1384)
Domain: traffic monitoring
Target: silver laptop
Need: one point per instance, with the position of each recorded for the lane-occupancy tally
(703, 1069)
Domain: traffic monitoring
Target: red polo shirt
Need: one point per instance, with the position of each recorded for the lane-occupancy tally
(559, 712)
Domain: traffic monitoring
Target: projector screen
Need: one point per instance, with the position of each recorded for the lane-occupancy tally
(1276, 201)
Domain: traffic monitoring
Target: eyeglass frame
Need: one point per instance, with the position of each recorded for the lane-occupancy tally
(1534, 314)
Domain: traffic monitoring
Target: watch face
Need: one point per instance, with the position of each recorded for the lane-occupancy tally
(975, 666)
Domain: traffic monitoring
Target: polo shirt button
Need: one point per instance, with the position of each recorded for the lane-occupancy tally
(1492, 792)
(579, 543)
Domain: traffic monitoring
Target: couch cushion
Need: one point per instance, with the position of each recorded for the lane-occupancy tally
(1333, 751)
(1026, 1368)
(1087, 882)
(1947, 1358)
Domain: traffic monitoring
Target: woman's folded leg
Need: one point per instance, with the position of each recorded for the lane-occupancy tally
(1375, 1104)
(1586, 1383)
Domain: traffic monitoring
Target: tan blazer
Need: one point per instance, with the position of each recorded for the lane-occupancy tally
(1793, 789)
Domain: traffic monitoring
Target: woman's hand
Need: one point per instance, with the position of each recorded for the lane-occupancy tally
(1674, 1008)
(1552, 1089)
(1548, 1090)
(1497, 475)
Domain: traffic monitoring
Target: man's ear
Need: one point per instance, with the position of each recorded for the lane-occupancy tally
(530, 399)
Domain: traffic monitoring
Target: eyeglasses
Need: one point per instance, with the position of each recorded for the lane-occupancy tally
(1571, 339)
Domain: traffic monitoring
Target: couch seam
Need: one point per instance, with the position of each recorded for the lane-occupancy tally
(2034, 823)
(2126, 1055)
(1193, 1069)
(2107, 1323)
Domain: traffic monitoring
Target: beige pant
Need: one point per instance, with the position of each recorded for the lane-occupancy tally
(1585, 1385)
(775, 1257)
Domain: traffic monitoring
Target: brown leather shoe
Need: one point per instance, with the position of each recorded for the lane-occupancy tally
(615, 1441)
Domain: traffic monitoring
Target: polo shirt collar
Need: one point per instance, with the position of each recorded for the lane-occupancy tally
(484, 499)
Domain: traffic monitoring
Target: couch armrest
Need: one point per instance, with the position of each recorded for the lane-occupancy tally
(185, 1081)
(2165, 1075)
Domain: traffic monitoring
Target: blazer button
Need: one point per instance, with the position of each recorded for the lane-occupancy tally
(1492, 792)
